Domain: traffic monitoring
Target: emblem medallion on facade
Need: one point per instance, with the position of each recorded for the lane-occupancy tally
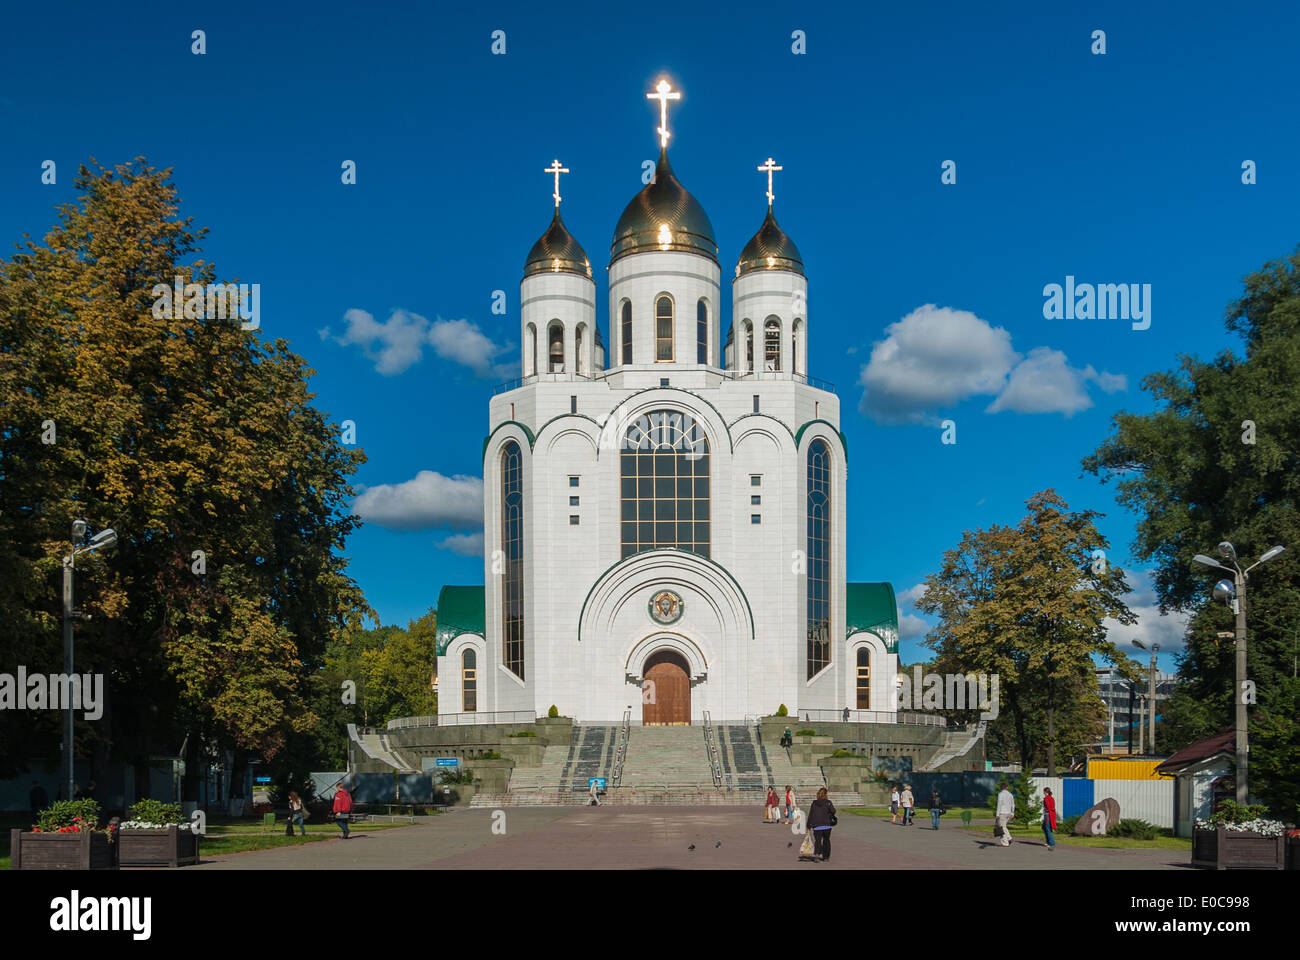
(666, 607)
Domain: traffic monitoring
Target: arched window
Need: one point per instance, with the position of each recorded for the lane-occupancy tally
(796, 330)
(469, 680)
(748, 332)
(579, 362)
(701, 332)
(556, 350)
(664, 330)
(664, 484)
(627, 332)
(530, 350)
(772, 345)
(512, 549)
(864, 678)
(819, 557)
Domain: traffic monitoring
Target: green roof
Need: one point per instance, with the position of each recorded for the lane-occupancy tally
(871, 607)
(460, 610)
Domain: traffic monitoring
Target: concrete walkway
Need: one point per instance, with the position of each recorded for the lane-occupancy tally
(660, 837)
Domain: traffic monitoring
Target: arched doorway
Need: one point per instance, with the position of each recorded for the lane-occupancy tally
(666, 690)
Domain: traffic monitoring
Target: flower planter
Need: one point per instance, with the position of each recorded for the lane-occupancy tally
(1222, 849)
(169, 847)
(1293, 853)
(87, 850)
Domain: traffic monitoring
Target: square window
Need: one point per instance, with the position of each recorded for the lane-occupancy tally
(755, 479)
(573, 520)
(754, 501)
(573, 481)
(573, 404)
(755, 518)
(663, 381)
(573, 501)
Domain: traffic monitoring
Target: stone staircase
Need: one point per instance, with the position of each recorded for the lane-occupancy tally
(957, 743)
(668, 759)
(377, 747)
(561, 779)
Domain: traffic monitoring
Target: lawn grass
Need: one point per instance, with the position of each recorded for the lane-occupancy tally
(1035, 832)
(921, 813)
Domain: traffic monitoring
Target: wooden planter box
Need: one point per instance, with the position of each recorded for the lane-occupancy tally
(1221, 849)
(1293, 853)
(157, 848)
(89, 850)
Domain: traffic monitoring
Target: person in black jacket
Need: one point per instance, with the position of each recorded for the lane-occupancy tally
(821, 817)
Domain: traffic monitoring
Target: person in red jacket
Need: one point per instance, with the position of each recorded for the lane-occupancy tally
(342, 809)
(1049, 817)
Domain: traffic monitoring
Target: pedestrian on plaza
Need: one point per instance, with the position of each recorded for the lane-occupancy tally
(936, 809)
(772, 813)
(1006, 809)
(908, 801)
(343, 809)
(296, 812)
(1049, 818)
(893, 805)
(821, 817)
(789, 803)
(595, 792)
(37, 799)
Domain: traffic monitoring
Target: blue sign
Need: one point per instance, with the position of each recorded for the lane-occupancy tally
(448, 761)
(598, 781)
(262, 779)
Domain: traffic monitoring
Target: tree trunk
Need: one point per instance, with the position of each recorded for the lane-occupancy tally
(190, 782)
(237, 770)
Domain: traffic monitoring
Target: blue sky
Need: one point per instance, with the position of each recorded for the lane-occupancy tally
(1117, 168)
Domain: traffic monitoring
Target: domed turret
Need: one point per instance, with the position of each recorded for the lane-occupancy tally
(556, 251)
(770, 249)
(663, 216)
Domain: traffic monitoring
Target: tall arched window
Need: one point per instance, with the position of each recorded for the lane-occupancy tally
(555, 337)
(664, 484)
(701, 332)
(819, 557)
(748, 332)
(627, 332)
(469, 680)
(772, 345)
(864, 678)
(512, 549)
(579, 362)
(530, 350)
(664, 330)
(796, 331)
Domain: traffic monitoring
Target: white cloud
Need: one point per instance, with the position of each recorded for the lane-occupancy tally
(397, 344)
(1152, 627)
(463, 342)
(465, 544)
(427, 501)
(936, 357)
(912, 594)
(912, 627)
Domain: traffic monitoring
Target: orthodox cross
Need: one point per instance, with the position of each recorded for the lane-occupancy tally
(556, 169)
(663, 96)
(769, 168)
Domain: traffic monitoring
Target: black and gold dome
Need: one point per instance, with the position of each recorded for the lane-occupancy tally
(663, 216)
(770, 249)
(557, 252)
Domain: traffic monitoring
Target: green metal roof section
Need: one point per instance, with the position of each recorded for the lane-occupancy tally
(532, 440)
(844, 441)
(460, 610)
(869, 607)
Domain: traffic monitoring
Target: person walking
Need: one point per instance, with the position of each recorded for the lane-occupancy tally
(296, 811)
(1006, 809)
(821, 817)
(846, 714)
(908, 801)
(772, 813)
(1049, 818)
(594, 790)
(789, 803)
(893, 805)
(343, 809)
(936, 809)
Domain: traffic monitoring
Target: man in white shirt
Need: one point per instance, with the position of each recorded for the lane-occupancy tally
(908, 801)
(1005, 811)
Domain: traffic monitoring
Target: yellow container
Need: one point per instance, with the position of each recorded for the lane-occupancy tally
(1124, 770)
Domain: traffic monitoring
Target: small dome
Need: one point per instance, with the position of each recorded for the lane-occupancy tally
(770, 249)
(663, 216)
(557, 252)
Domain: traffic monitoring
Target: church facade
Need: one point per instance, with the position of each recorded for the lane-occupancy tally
(664, 525)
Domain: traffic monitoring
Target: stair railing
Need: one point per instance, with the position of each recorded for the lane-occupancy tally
(620, 754)
(715, 765)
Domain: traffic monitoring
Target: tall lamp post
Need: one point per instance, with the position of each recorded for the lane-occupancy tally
(1234, 594)
(104, 540)
(1151, 693)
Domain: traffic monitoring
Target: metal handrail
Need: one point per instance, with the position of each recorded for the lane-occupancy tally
(873, 716)
(462, 719)
(715, 768)
(620, 754)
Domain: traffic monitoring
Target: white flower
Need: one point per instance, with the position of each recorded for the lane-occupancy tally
(1267, 828)
(146, 825)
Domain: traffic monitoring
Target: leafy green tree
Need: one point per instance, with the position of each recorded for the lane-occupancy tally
(1028, 603)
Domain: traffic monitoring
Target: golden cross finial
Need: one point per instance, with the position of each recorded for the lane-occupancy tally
(556, 169)
(663, 96)
(770, 167)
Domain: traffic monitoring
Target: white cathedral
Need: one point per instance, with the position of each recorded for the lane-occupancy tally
(664, 529)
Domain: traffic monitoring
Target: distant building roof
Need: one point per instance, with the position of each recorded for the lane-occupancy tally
(460, 610)
(1224, 742)
(872, 607)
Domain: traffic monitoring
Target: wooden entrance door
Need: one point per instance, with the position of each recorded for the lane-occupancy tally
(666, 694)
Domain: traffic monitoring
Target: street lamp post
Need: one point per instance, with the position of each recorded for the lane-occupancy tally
(1234, 594)
(104, 540)
(1151, 693)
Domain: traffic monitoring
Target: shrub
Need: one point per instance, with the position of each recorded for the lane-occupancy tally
(1067, 825)
(68, 816)
(553, 712)
(489, 755)
(1134, 828)
(806, 733)
(781, 711)
(456, 775)
(522, 733)
(1231, 812)
(843, 753)
(155, 811)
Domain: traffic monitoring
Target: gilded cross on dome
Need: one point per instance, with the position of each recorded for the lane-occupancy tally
(556, 169)
(769, 168)
(665, 93)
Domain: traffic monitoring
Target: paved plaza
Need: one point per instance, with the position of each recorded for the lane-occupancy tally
(641, 838)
